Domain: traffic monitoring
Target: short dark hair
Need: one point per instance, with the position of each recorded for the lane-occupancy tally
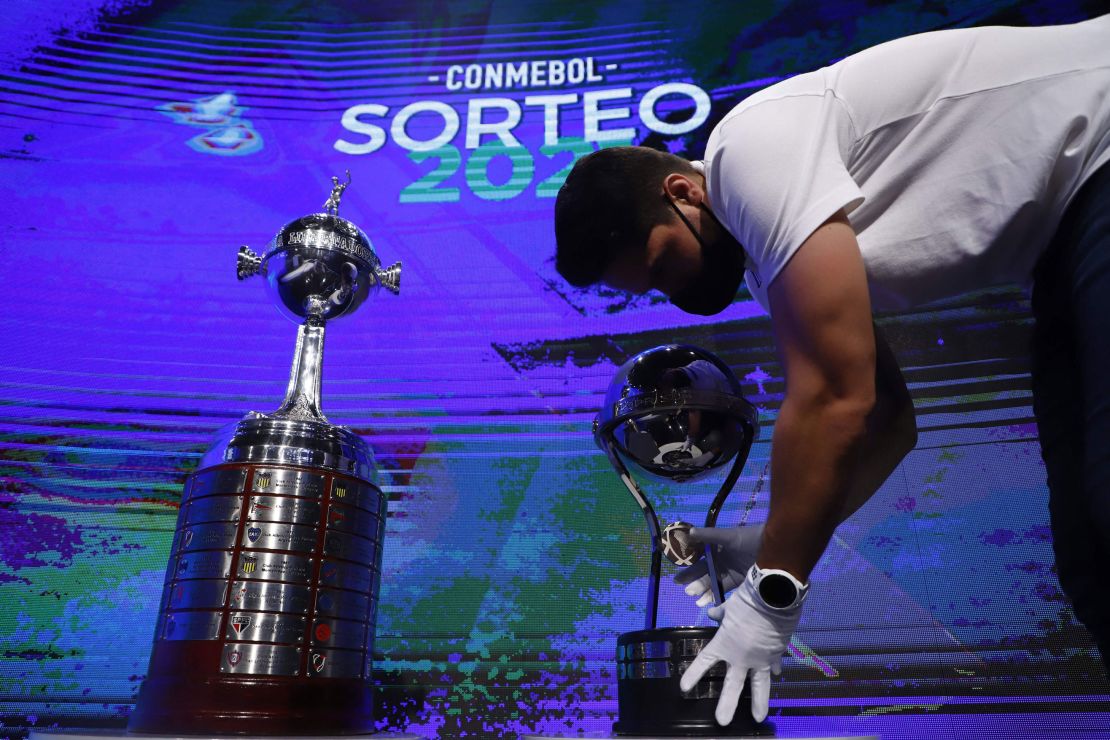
(610, 202)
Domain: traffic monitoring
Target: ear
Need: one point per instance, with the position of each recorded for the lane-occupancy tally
(683, 189)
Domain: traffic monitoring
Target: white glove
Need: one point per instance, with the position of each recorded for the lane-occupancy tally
(752, 637)
(733, 555)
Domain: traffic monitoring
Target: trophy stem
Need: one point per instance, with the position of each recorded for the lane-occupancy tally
(302, 396)
(715, 510)
(652, 610)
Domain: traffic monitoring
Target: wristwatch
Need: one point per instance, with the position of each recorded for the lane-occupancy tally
(776, 588)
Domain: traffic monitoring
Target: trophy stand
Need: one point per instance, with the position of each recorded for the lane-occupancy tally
(678, 414)
(651, 661)
(266, 624)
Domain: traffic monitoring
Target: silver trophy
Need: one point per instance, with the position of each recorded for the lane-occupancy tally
(676, 413)
(266, 624)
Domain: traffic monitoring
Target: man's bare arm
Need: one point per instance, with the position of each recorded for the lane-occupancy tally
(842, 427)
(891, 430)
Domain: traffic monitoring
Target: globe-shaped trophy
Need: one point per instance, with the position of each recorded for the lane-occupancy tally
(266, 624)
(675, 413)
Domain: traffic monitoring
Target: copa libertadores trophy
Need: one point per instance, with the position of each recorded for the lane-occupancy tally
(266, 624)
(676, 413)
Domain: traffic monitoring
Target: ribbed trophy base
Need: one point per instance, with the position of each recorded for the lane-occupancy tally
(650, 664)
(267, 618)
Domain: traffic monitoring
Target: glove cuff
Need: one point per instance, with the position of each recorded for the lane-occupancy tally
(777, 590)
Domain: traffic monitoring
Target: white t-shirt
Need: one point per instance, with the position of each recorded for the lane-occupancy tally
(954, 154)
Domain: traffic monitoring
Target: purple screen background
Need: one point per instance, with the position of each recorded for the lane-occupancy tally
(141, 142)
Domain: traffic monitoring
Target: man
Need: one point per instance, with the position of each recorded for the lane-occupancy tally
(912, 171)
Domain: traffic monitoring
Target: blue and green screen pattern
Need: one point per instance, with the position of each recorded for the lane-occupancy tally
(142, 142)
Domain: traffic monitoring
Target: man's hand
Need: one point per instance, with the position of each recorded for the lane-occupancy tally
(752, 637)
(733, 554)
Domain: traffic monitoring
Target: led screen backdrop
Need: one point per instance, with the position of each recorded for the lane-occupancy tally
(144, 141)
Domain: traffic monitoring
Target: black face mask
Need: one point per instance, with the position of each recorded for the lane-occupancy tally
(722, 269)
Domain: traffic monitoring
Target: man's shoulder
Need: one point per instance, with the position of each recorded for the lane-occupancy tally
(778, 119)
(807, 85)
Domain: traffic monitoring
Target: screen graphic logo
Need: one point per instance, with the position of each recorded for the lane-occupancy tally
(228, 134)
(523, 131)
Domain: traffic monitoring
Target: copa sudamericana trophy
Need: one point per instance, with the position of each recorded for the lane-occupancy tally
(677, 414)
(266, 624)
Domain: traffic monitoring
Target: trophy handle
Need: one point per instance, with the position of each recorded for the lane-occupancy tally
(653, 527)
(390, 278)
(247, 263)
(718, 504)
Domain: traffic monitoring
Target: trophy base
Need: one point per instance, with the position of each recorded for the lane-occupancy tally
(267, 619)
(264, 707)
(650, 703)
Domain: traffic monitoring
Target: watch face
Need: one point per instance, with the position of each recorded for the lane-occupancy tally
(777, 590)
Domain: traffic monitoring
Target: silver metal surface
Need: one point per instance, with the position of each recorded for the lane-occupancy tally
(338, 574)
(283, 509)
(319, 266)
(208, 482)
(339, 603)
(260, 660)
(302, 395)
(274, 566)
(248, 263)
(358, 521)
(350, 547)
(717, 671)
(200, 594)
(270, 597)
(192, 626)
(222, 508)
(650, 669)
(646, 650)
(362, 495)
(688, 647)
(705, 690)
(331, 205)
(374, 528)
(288, 482)
(209, 564)
(263, 627)
(663, 669)
(247, 567)
(336, 663)
(259, 438)
(339, 633)
(279, 536)
(677, 412)
(213, 536)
